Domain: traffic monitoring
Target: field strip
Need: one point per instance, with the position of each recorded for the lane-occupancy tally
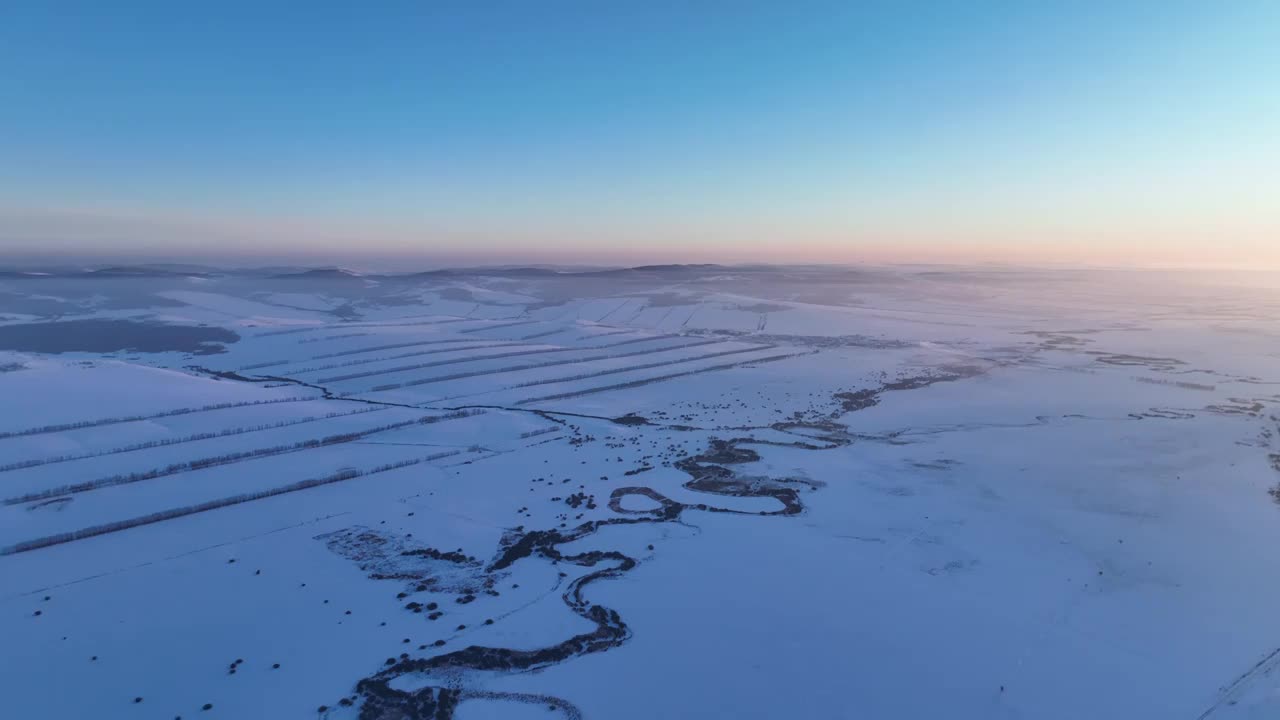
(358, 351)
(392, 346)
(660, 378)
(45, 429)
(548, 363)
(495, 356)
(544, 333)
(326, 338)
(345, 325)
(37, 462)
(196, 551)
(1230, 692)
(416, 323)
(437, 363)
(222, 460)
(593, 336)
(610, 371)
(624, 303)
(645, 366)
(163, 515)
(293, 331)
(482, 345)
(500, 326)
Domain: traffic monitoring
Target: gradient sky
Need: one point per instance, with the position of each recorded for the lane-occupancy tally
(1104, 132)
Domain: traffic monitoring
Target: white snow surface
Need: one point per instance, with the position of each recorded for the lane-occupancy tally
(960, 493)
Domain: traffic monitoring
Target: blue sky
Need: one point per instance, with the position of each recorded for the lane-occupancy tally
(1073, 131)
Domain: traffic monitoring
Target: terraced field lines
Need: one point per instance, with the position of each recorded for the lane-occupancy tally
(531, 366)
(163, 515)
(621, 305)
(348, 326)
(660, 378)
(548, 333)
(445, 321)
(500, 326)
(292, 331)
(470, 358)
(357, 351)
(437, 363)
(168, 442)
(221, 460)
(416, 353)
(45, 429)
(393, 346)
(645, 366)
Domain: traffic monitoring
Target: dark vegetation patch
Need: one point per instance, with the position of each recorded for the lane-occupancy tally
(1274, 492)
(870, 397)
(1237, 406)
(385, 556)
(1060, 339)
(105, 336)
(1125, 359)
(1176, 383)
(1163, 414)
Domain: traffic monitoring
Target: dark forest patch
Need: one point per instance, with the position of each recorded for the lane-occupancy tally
(104, 336)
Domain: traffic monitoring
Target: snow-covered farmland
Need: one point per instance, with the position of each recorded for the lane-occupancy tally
(653, 492)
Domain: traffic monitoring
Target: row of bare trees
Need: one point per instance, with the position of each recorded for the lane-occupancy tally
(225, 459)
(242, 430)
(135, 418)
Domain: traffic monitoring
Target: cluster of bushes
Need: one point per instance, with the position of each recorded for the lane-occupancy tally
(540, 431)
(1175, 383)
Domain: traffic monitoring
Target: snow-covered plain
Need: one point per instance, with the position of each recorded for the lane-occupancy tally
(678, 491)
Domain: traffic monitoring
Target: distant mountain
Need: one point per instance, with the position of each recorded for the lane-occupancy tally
(20, 275)
(690, 269)
(182, 268)
(320, 274)
(143, 271)
(515, 272)
(545, 272)
(128, 271)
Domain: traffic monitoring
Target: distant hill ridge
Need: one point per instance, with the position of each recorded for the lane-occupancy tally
(157, 270)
